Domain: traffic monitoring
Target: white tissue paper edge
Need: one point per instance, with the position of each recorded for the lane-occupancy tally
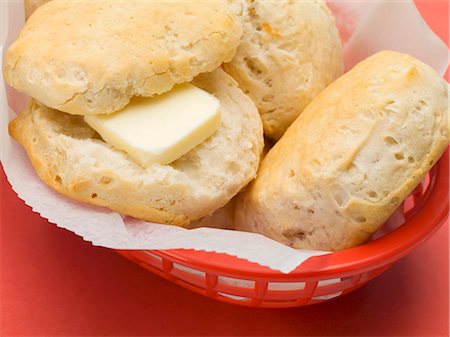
(366, 27)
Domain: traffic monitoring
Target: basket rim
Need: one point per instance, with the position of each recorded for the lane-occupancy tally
(385, 250)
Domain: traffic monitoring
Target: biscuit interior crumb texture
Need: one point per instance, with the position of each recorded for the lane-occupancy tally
(91, 57)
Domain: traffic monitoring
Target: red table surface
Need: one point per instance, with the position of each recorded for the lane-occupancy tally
(55, 284)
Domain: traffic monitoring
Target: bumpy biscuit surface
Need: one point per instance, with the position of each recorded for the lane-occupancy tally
(351, 157)
(290, 52)
(91, 57)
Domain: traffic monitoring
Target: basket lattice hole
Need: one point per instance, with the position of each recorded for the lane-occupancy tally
(323, 283)
(152, 260)
(185, 269)
(156, 257)
(236, 282)
(414, 200)
(327, 297)
(234, 297)
(278, 302)
(280, 286)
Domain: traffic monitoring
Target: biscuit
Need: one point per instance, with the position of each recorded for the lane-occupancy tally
(290, 52)
(91, 57)
(32, 5)
(350, 159)
(71, 158)
(221, 218)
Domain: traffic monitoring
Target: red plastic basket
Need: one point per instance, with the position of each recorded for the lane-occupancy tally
(233, 280)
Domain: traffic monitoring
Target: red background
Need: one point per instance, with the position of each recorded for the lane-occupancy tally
(55, 284)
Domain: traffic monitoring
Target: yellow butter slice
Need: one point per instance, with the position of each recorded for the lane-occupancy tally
(163, 128)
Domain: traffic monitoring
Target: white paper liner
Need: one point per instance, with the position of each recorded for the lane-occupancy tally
(365, 27)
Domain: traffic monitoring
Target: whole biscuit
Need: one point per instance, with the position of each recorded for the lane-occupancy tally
(352, 156)
(72, 159)
(290, 52)
(91, 57)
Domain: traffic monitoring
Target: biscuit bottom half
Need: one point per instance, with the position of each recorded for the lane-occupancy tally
(71, 158)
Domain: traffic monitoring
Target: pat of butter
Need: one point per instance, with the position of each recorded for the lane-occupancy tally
(160, 129)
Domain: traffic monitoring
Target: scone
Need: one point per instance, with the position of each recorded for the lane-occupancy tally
(91, 57)
(290, 51)
(72, 159)
(350, 159)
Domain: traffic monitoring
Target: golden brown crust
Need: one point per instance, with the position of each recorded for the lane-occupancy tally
(71, 158)
(353, 155)
(91, 57)
(32, 5)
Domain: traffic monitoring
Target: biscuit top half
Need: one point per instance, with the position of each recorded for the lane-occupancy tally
(89, 58)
